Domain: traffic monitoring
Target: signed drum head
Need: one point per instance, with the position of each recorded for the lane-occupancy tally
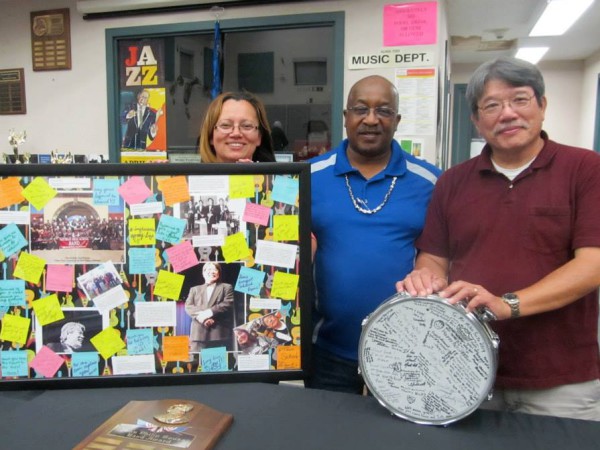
(427, 361)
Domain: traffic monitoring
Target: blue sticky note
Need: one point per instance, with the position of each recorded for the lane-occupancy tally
(214, 359)
(11, 240)
(106, 191)
(12, 293)
(85, 364)
(249, 281)
(170, 229)
(14, 363)
(140, 342)
(285, 189)
(141, 260)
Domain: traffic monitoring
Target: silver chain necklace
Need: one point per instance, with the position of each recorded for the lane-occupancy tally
(366, 209)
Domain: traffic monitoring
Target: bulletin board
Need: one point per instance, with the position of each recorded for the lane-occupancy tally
(125, 274)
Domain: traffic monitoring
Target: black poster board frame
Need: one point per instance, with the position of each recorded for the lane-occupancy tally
(67, 180)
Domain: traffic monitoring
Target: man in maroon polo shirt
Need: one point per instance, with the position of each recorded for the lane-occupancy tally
(517, 230)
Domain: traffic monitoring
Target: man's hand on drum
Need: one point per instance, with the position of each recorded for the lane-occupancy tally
(421, 282)
(477, 297)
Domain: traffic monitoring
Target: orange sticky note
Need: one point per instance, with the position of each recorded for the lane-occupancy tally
(11, 192)
(176, 348)
(174, 190)
(288, 357)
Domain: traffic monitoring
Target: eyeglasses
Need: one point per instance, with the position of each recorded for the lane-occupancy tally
(494, 107)
(383, 112)
(227, 127)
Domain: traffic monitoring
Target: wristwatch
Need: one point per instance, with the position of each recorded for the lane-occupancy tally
(513, 301)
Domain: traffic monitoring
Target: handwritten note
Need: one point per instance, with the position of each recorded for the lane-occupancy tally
(168, 284)
(174, 190)
(170, 229)
(14, 363)
(60, 277)
(285, 189)
(182, 256)
(46, 362)
(85, 364)
(214, 359)
(250, 281)
(288, 357)
(140, 341)
(285, 285)
(241, 186)
(12, 293)
(142, 231)
(155, 314)
(15, 328)
(134, 190)
(254, 213)
(48, 310)
(11, 192)
(39, 192)
(108, 342)
(141, 260)
(410, 24)
(106, 191)
(285, 228)
(235, 247)
(176, 348)
(29, 267)
(11, 240)
(276, 254)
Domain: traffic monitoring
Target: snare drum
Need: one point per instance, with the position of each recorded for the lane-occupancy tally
(426, 360)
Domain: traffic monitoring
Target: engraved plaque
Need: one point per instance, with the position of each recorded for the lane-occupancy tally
(426, 360)
(51, 40)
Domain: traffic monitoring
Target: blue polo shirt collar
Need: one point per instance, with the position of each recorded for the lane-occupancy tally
(396, 165)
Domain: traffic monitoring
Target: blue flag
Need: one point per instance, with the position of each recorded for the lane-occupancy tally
(216, 63)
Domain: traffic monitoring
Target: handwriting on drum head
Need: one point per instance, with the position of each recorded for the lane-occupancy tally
(427, 360)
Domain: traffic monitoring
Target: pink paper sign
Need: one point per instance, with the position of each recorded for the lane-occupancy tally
(254, 213)
(182, 256)
(59, 278)
(46, 362)
(134, 190)
(410, 24)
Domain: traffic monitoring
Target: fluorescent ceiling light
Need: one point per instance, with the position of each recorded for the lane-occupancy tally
(531, 54)
(558, 17)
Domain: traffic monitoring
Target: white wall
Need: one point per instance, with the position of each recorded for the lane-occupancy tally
(571, 101)
(67, 110)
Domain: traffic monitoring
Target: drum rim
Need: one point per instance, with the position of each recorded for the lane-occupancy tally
(482, 329)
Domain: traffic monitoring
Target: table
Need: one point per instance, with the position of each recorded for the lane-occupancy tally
(283, 417)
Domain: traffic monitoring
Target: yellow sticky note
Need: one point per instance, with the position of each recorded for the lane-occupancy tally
(174, 190)
(285, 285)
(176, 348)
(39, 192)
(142, 231)
(29, 267)
(11, 192)
(168, 284)
(108, 342)
(235, 247)
(288, 357)
(48, 310)
(285, 228)
(15, 328)
(241, 186)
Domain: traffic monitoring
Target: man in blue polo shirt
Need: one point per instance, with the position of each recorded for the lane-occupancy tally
(369, 199)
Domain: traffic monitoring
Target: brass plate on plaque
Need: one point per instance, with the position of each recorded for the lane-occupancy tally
(51, 39)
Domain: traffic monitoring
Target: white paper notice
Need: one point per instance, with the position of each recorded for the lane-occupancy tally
(111, 299)
(277, 254)
(155, 314)
(253, 362)
(131, 365)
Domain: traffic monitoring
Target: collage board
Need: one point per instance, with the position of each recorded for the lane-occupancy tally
(145, 275)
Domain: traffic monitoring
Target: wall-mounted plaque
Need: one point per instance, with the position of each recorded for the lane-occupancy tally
(51, 40)
(12, 92)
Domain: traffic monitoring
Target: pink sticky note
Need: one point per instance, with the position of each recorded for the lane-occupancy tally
(254, 213)
(134, 190)
(46, 362)
(410, 24)
(182, 256)
(59, 277)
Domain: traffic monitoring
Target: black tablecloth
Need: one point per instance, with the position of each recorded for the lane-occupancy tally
(283, 417)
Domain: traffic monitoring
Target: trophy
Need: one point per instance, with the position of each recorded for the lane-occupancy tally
(56, 158)
(15, 139)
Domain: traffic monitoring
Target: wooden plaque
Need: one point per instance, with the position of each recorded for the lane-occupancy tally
(51, 40)
(12, 92)
(135, 423)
